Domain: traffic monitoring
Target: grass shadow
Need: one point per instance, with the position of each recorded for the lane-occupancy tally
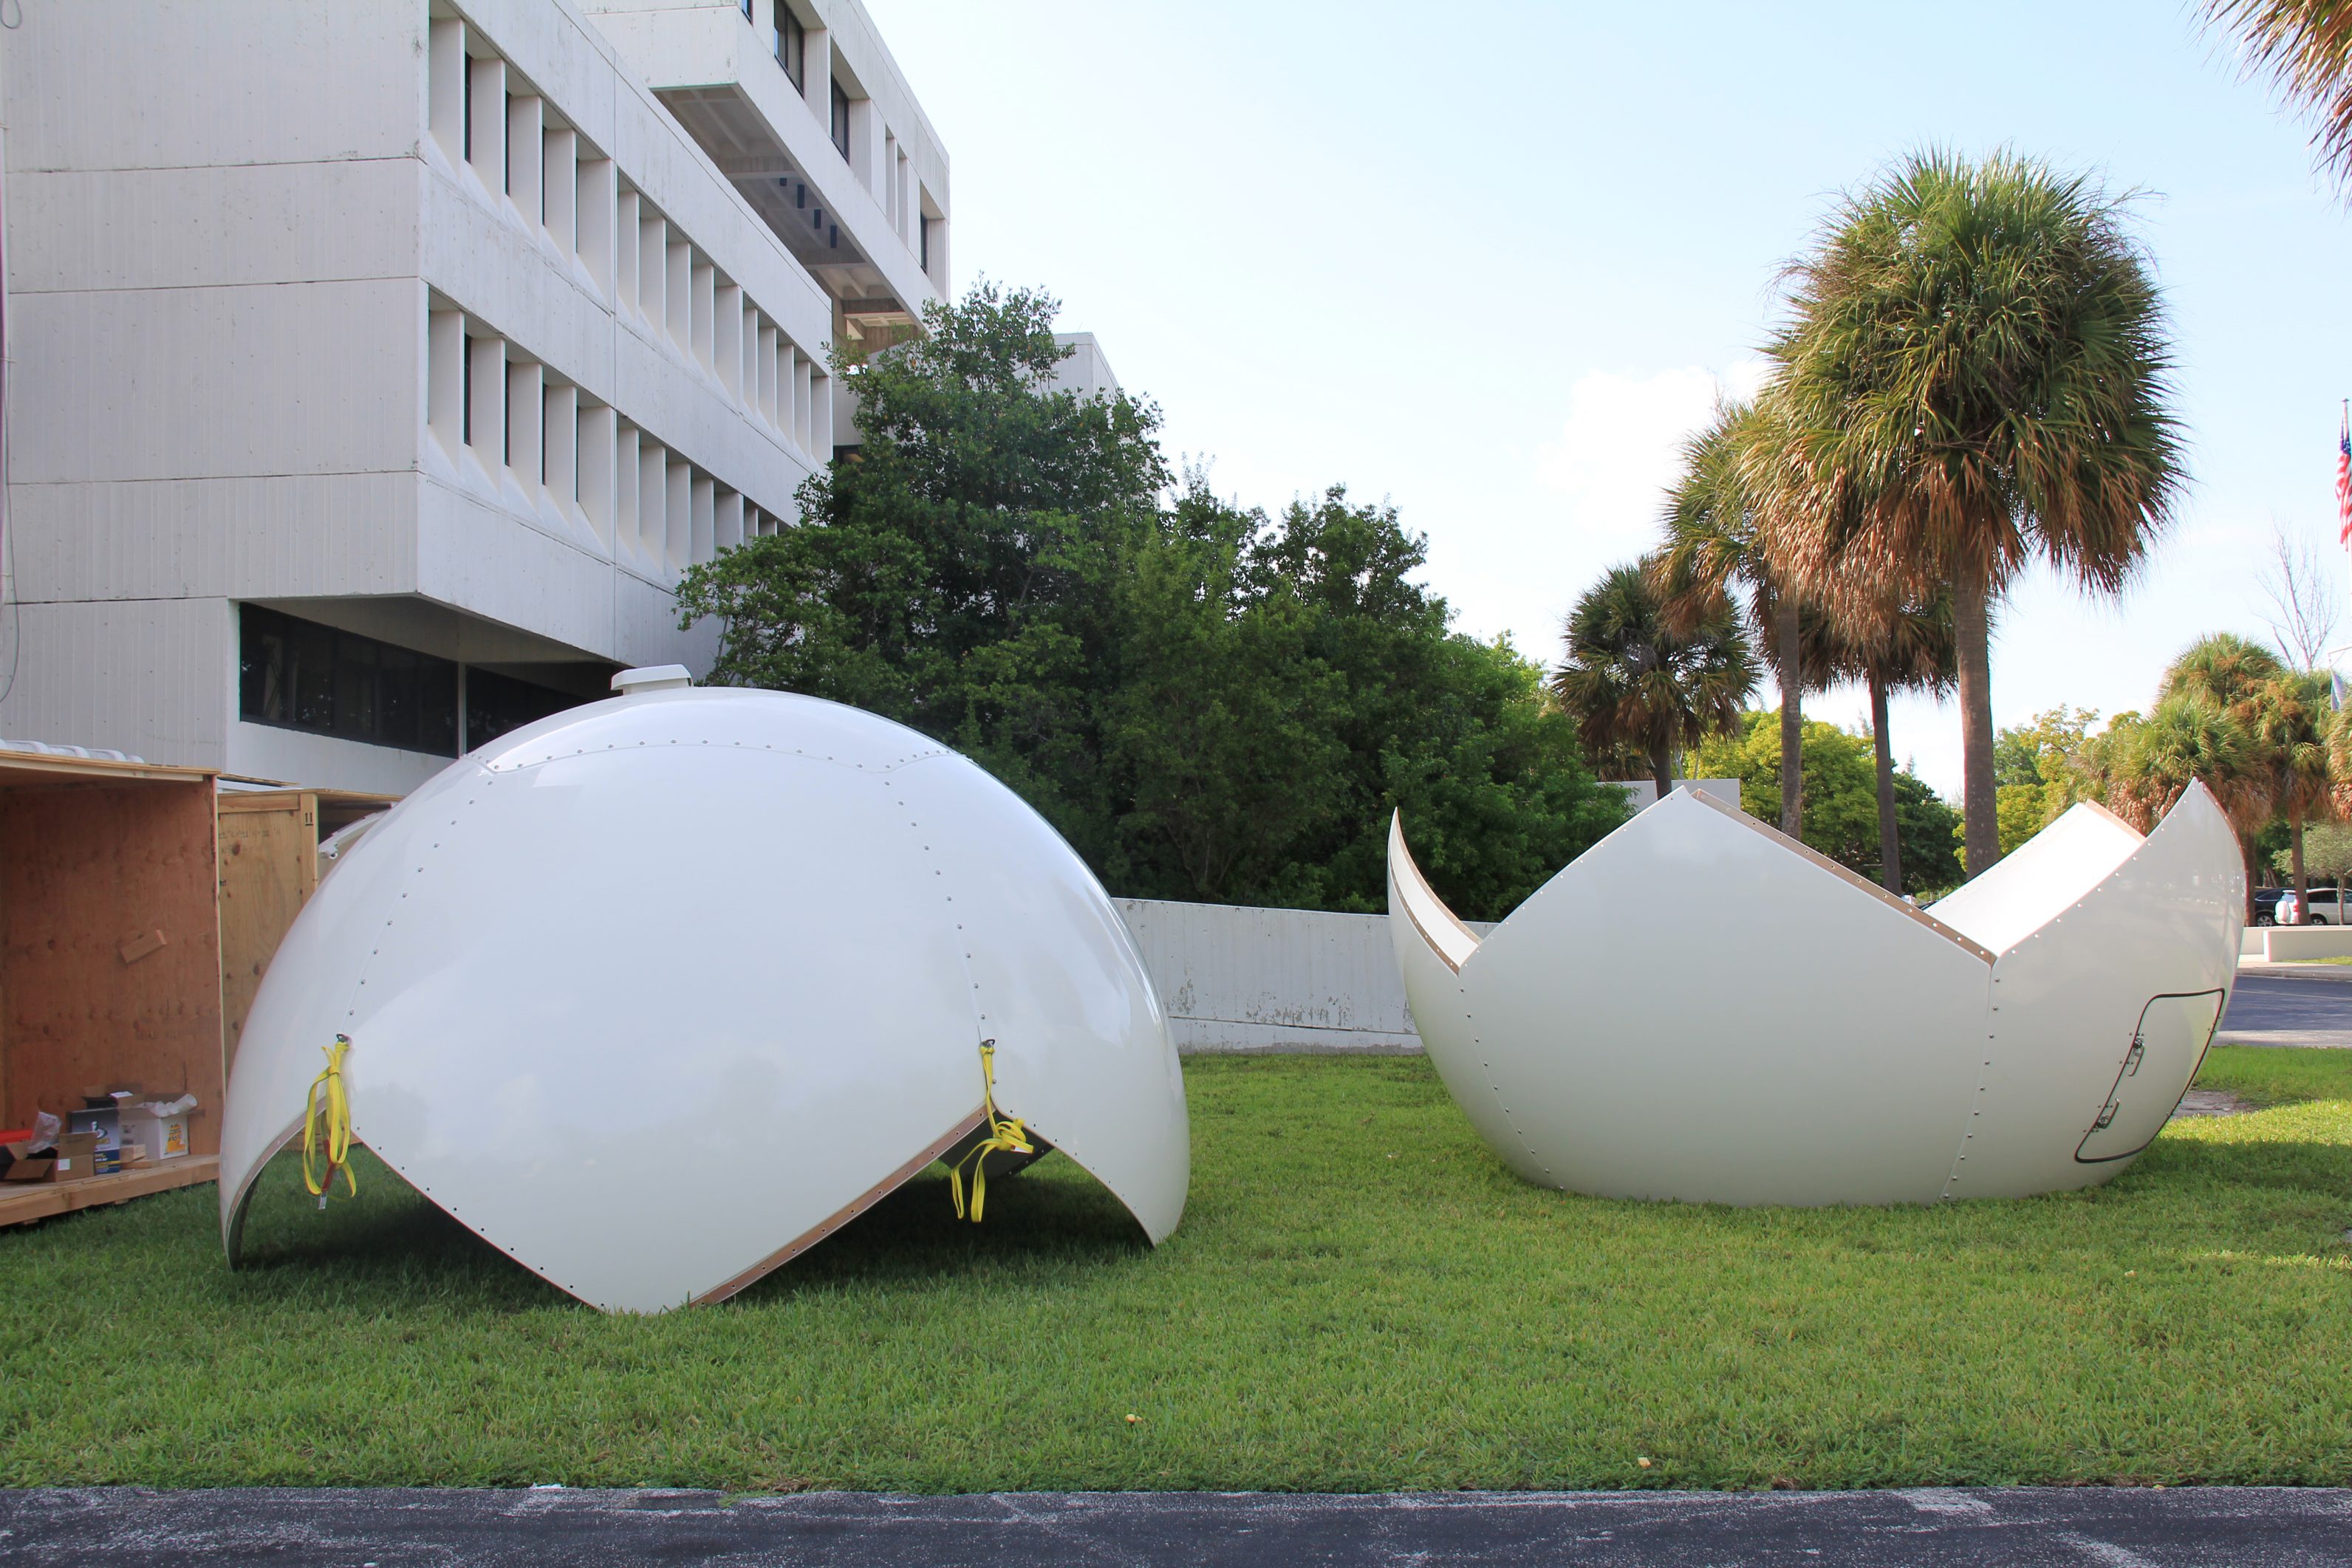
(390, 1238)
(393, 1240)
(1048, 1218)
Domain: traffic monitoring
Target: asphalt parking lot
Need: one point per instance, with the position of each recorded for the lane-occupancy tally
(2108, 1528)
(2290, 1004)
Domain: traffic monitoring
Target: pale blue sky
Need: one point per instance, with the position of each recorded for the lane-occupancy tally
(1490, 260)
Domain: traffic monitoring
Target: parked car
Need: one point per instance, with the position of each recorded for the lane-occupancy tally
(2266, 904)
(2326, 909)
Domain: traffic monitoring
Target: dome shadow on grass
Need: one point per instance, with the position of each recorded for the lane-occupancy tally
(394, 1240)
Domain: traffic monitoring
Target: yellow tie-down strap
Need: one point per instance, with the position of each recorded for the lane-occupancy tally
(332, 1142)
(1005, 1136)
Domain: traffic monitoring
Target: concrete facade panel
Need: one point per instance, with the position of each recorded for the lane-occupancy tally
(282, 81)
(324, 762)
(153, 677)
(199, 383)
(485, 562)
(174, 228)
(238, 537)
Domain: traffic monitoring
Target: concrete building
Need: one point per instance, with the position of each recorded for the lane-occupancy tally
(376, 367)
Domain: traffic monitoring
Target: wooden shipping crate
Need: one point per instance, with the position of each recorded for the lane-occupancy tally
(110, 936)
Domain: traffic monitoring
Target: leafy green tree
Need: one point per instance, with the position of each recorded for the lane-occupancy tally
(2327, 853)
(2038, 770)
(1226, 729)
(956, 573)
(1930, 838)
(1208, 703)
(1841, 796)
(1976, 372)
(1636, 684)
(1313, 653)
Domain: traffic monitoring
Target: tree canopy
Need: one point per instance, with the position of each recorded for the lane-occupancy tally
(1976, 371)
(1209, 702)
(1644, 684)
(1841, 799)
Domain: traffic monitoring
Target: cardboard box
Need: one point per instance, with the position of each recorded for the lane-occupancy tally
(70, 1160)
(163, 1137)
(107, 1124)
(76, 1153)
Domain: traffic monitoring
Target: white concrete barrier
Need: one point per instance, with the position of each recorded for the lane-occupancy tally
(1243, 979)
(2286, 943)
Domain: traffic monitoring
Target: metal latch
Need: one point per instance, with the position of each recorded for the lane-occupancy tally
(2105, 1116)
(2131, 1057)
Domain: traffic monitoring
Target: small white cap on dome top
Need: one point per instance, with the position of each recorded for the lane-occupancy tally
(652, 678)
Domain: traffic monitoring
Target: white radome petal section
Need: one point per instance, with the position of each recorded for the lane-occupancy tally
(1794, 1035)
(657, 993)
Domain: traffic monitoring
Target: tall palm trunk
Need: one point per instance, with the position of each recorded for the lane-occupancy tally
(2302, 889)
(1890, 841)
(2246, 852)
(1662, 769)
(1787, 667)
(1972, 640)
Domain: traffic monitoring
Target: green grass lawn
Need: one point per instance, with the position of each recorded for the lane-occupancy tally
(1359, 1298)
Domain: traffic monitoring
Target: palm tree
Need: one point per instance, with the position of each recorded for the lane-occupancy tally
(1633, 683)
(2149, 762)
(1975, 372)
(2227, 674)
(1910, 649)
(2296, 728)
(1711, 554)
(2305, 46)
(2285, 714)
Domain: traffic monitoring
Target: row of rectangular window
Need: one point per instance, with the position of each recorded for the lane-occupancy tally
(678, 292)
(591, 471)
(895, 182)
(573, 195)
(297, 675)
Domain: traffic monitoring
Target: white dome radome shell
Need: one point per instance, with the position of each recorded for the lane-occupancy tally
(1699, 1008)
(657, 993)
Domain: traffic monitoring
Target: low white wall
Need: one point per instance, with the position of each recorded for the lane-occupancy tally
(1243, 979)
(2284, 944)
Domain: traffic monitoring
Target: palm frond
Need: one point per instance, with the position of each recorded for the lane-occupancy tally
(2304, 47)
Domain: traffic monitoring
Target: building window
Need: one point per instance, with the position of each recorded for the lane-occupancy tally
(298, 674)
(923, 228)
(747, 10)
(840, 119)
(496, 703)
(791, 47)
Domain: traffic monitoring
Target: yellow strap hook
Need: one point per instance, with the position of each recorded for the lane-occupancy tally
(1005, 1136)
(336, 1135)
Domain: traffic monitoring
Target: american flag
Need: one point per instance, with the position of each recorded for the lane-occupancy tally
(2344, 480)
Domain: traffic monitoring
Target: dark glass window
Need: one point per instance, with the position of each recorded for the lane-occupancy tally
(791, 47)
(300, 674)
(840, 119)
(923, 228)
(496, 703)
